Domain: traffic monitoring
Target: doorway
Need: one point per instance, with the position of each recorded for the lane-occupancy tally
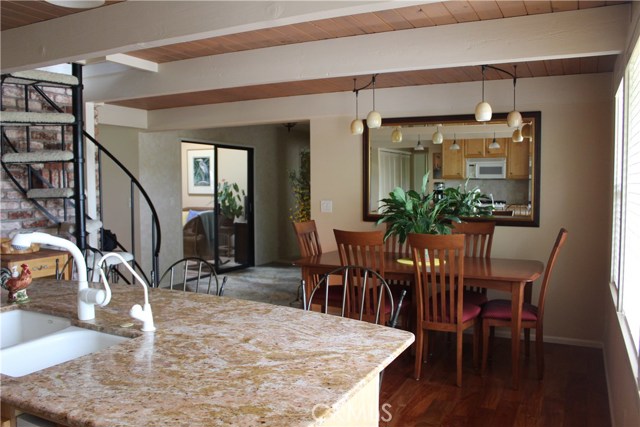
(217, 209)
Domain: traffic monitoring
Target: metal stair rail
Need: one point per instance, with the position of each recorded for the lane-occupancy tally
(39, 187)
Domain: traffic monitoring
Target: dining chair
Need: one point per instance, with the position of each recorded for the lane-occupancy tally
(309, 245)
(497, 313)
(193, 269)
(478, 241)
(364, 248)
(438, 262)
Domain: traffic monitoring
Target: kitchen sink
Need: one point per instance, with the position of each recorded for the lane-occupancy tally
(34, 351)
(18, 326)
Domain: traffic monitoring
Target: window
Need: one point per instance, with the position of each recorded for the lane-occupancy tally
(625, 253)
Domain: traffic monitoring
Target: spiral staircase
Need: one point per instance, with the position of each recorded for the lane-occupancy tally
(51, 176)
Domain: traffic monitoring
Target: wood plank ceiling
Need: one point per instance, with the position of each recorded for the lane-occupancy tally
(19, 13)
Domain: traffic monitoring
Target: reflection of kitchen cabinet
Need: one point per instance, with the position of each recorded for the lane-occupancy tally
(452, 161)
(479, 147)
(518, 160)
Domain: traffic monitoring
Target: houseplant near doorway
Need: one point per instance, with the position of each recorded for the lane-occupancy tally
(230, 200)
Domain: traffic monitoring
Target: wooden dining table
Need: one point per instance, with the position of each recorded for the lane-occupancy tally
(502, 274)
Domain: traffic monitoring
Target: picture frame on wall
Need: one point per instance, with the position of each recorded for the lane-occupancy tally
(200, 164)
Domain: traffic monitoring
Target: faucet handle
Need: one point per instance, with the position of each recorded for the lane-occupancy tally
(144, 315)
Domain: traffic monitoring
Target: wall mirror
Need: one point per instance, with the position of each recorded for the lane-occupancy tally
(487, 155)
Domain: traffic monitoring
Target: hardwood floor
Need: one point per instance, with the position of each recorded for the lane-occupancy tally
(573, 392)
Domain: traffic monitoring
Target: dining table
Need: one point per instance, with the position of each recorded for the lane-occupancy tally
(514, 276)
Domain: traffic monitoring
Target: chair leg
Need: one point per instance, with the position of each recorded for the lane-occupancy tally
(459, 358)
(477, 337)
(419, 347)
(539, 352)
(485, 345)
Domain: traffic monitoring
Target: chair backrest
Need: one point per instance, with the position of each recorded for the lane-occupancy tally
(479, 237)
(307, 236)
(553, 257)
(392, 244)
(364, 295)
(438, 262)
(365, 248)
(192, 270)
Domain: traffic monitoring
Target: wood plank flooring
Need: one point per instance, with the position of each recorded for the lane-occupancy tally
(573, 392)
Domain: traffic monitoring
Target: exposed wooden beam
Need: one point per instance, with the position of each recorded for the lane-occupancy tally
(580, 33)
(119, 29)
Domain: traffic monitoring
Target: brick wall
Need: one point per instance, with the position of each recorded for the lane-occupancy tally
(16, 211)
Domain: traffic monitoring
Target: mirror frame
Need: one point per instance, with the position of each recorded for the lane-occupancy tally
(533, 221)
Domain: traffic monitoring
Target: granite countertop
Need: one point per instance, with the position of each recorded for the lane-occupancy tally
(212, 361)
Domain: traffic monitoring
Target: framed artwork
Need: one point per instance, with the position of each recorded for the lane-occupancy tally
(437, 165)
(200, 171)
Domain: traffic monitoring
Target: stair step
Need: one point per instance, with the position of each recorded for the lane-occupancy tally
(90, 226)
(43, 156)
(27, 118)
(40, 76)
(50, 193)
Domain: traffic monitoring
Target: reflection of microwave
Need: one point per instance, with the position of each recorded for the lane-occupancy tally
(494, 168)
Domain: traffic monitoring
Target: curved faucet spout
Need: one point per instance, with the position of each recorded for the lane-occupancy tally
(87, 297)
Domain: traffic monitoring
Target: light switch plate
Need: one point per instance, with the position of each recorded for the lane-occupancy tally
(326, 206)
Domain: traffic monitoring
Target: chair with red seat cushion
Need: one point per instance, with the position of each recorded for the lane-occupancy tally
(479, 238)
(498, 312)
(440, 294)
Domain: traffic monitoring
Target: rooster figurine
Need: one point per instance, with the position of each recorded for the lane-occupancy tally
(17, 284)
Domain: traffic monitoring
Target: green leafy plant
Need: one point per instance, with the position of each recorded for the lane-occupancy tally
(230, 199)
(301, 187)
(407, 212)
(462, 202)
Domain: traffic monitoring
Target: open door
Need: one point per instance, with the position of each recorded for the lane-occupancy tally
(218, 207)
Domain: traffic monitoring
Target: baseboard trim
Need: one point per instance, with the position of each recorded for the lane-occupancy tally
(505, 333)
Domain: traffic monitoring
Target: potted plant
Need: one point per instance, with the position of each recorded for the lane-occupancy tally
(230, 200)
(464, 203)
(410, 211)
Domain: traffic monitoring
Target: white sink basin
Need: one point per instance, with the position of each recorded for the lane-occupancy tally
(43, 350)
(18, 326)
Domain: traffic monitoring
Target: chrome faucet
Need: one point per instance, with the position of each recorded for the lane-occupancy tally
(88, 297)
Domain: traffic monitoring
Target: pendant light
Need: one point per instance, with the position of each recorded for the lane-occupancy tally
(419, 146)
(526, 130)
(514, 119)
(396, 135)
(494, 144)
(357, 127)
(517, 135)
(437, 136)
(455, 145)
(374, 120)
(483, 109)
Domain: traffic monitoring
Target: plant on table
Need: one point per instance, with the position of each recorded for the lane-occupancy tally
(410, 211)
(464, 203)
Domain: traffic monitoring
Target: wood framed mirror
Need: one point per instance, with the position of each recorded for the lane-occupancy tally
(507, 171)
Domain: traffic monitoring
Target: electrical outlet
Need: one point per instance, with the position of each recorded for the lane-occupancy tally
(326, 206)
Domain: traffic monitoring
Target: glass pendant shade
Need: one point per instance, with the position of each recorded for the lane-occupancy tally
(526, 130)
(494, 144)
(517, 135)
(483, 112)
(357, 127)
(396, 135)
(514, 119)
(455, 145)
(374, 120)
(437, 137)
(419, 146)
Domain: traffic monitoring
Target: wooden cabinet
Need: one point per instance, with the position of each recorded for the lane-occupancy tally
(452, 161)
(43, 263)
(518, 160)
(479, 147)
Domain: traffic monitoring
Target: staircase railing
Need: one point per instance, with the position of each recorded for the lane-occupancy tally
(156, 237)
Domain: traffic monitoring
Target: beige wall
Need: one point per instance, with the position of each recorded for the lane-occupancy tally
(575, 188)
